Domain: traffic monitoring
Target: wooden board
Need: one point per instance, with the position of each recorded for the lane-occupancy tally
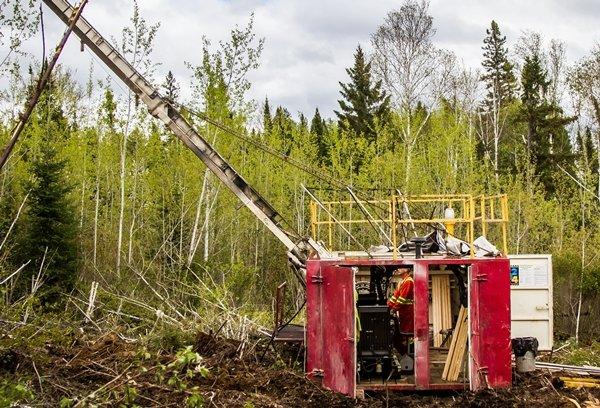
(581, 379)
(441, 307)
(458, 347)
(461, 348)
(581, 384)
(452, 349)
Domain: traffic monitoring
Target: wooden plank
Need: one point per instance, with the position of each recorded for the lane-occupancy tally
(461, 348)
(452, 347)
(447, 308)
(456, 336)
(581, 384)
(441, 307)
(435, 309)
(458, 348)
(581, 379)
(463, 342)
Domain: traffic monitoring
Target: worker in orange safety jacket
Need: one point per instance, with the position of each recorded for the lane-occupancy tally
(401, 304)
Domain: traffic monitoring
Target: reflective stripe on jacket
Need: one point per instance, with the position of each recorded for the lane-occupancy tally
(403, 295)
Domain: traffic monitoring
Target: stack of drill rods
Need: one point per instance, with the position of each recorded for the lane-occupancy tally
(589, 370)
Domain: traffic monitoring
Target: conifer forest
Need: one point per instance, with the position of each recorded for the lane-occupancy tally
(129, 273)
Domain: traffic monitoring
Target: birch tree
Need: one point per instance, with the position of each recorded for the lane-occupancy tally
(136, 46)
(414, 72)
(221, 83)
(18, 22)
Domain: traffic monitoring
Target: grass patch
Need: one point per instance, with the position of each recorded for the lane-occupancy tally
(579, 354)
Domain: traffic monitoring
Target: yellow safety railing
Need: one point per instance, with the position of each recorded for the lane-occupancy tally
(471, 215)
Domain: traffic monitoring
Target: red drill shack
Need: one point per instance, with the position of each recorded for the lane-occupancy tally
(348, 330)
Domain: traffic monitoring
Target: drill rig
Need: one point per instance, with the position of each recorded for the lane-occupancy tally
(332, 277)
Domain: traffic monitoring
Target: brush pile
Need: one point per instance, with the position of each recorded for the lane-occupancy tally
(110, 370)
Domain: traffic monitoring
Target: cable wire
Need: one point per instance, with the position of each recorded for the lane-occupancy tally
(267, 149)
(325, 177)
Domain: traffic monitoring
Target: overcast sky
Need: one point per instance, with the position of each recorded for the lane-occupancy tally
(309, 43)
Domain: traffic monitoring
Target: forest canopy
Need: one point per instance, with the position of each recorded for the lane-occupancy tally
(98, 192)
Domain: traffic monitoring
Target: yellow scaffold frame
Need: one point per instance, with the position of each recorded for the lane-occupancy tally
(480, 211)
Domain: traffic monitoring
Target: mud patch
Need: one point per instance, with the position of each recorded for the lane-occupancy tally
(110, 371)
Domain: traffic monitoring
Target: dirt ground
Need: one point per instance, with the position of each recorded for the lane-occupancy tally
(111, 371)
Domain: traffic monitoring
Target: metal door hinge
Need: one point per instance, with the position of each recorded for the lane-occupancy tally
(316, 279)
(317, 373)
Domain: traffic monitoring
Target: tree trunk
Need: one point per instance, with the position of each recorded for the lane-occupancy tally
(122, 173)
(181, 226)
(408, 153)
(496, 127)
(195, 236)
(206, 224)
(580, 299)
(133, 218)
(598, 154)
(96, 211)
(518, 240)
(82, 195)
(257, 237)
(122, 201)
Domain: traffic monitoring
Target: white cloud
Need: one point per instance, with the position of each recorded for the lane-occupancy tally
(310, 43)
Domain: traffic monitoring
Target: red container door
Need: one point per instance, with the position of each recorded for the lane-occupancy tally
(330, 327)
(489, 303)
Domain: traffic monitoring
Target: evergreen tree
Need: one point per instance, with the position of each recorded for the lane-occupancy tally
(535, 85)
(498, 77)
(8, 208)
(50, 231)
(267, 121)
(302, 122)
(364, 103)
(108, 110)
(318, 130)
(282, 126)
(547, 141)
(500, 84)
(171, 88)
(587, 151)
(317, 124)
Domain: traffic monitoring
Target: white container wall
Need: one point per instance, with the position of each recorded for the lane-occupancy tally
(531, 298)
